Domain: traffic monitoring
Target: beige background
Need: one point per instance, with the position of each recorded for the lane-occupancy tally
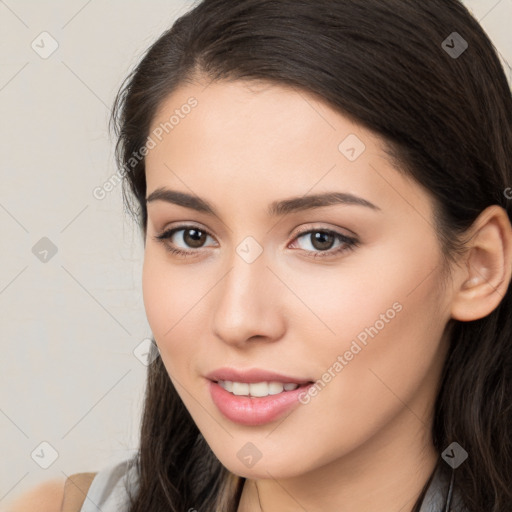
(69, 325)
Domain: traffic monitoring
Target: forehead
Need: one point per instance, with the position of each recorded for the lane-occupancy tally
(258, 126)
(282, 113)
(261, 139)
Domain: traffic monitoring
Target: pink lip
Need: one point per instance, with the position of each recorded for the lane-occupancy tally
(247, 410)
(253, 375)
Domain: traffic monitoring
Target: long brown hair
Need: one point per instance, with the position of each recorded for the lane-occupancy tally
(447, 121)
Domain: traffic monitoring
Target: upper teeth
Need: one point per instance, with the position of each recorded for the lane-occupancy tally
(256, 388)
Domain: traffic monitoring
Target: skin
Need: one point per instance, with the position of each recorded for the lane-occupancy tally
(364, 442)
(45, 497)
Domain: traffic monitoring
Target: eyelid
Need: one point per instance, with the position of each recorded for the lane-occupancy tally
(348, 243)
(299, 231)
(168, 232)
(308, 229)
(351, 241)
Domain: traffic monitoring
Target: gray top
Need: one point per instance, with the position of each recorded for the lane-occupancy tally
(108, 492)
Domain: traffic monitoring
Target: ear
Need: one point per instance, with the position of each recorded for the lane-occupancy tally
(483, 280)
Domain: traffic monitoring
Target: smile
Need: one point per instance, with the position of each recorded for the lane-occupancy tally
(256, 389)
(255, 403)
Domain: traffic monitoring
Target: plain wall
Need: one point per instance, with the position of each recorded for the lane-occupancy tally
(70, 321)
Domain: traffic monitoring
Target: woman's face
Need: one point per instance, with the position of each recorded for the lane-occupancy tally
(307, 255)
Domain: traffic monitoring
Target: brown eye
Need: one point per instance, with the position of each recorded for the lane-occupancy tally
(322, 240)
(184, 239)
(194, 237)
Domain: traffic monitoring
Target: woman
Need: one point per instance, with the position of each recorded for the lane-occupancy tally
(324, 193)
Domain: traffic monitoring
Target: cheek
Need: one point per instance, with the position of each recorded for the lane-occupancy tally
(361, 295)
(159, 295)
(169, 291)
(393, 374)
(390, 354)
(380, 342)
(176, 305)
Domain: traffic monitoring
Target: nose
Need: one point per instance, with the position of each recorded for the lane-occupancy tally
(248, 304)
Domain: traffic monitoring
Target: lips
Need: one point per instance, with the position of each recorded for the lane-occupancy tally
(254, 375)
(230, 391)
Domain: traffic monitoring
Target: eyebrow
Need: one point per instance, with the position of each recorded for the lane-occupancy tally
(277, 208)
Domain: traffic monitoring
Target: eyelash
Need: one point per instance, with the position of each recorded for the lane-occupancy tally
(350, 243)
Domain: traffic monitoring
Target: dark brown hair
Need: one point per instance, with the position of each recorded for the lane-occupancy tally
(447, 122)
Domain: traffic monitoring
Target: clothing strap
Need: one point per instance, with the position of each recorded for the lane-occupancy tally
(75, 491)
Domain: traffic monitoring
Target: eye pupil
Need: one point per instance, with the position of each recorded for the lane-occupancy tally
(321, 240)
(194, 237)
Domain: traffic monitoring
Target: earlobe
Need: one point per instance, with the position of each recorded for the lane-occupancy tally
(482, 282)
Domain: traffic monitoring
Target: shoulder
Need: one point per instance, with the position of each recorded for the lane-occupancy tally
(45, 497)
(107, 489)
